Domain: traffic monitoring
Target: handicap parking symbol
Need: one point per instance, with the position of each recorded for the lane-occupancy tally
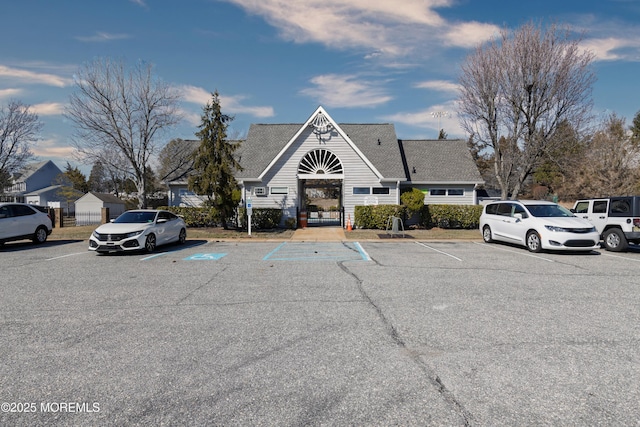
(204, 257)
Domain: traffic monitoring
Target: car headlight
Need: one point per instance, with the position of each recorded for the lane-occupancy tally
(134, 233)
(554, 228)
(96, 234)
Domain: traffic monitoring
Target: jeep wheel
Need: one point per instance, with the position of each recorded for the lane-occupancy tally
(615, 241)
(486, 234)
(533, 242)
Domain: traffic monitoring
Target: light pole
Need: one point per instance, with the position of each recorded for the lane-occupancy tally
(439, 115)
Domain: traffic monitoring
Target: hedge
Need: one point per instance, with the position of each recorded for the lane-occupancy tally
(376, 216)
(454, 216)
(443, 216)
(261, 218)
(196, 217)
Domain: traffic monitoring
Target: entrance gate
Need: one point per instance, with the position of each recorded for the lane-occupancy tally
(322, 200)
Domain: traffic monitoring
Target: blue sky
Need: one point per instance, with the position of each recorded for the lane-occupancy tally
(276, 61)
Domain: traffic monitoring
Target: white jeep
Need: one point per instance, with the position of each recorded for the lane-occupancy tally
(617, 219)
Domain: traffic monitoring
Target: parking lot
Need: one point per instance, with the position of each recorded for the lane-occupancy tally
(399, 332)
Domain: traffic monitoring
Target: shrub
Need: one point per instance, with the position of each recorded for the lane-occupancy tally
(454, 216)
(196, 217)
(376, 216)
(261, 218)
(413, 200)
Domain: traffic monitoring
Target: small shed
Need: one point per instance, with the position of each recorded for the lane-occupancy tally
(89, 207)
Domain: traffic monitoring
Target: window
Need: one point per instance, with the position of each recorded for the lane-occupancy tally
(504, 209)
(582, 207)
(381, 190)
(186, 192)
(279, 190)
(447, 192)
(361, 190)
(600, 206)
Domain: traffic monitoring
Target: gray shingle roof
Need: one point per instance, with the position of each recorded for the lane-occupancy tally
(433, 160)
(440, 160)
(263, 143)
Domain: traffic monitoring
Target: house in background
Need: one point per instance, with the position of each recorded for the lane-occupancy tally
(48, 196)
(33, 177)
(323, 170)
(89, 208)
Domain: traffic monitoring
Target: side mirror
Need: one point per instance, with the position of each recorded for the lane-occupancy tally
(518, 216)
(161, 221)
(572, 210)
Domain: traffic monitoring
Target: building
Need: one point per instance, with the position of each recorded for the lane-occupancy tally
(89, 207)
(32, 178)
(324, 169)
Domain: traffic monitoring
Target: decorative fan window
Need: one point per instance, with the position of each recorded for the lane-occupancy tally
(320, 162)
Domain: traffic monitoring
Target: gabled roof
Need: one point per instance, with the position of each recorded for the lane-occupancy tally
(439, 160)
(30, 169)
(105, 197)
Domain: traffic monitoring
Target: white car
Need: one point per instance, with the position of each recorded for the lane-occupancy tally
(19, 221)
(537, 225)
(138, 230)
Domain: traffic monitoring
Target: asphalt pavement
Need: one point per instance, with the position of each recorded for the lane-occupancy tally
(317, 333)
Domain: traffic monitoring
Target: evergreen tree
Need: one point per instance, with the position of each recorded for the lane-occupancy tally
(215, 164)
(98, 178)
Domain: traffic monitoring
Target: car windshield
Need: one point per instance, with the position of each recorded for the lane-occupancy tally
(549, 211)
(135, 217)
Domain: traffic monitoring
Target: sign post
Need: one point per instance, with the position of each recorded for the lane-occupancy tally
(249, 212)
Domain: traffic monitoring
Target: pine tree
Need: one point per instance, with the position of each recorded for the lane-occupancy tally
(215, 164)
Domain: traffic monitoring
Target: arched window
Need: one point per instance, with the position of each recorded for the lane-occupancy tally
(320, 162)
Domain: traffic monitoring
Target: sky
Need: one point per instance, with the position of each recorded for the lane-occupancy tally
(276, 61)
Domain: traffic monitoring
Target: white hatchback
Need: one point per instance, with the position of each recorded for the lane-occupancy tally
(537, 225)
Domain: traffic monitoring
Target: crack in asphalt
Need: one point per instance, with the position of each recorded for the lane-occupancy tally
(435, 380)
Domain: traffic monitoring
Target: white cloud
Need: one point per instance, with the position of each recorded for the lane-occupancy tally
(614, 48)
(9, 93)
(439, 85)
(386, 28)
(31, 77)
(48, 109)
(336, 90)
(102, 37)
(53, 149)
(230, 104)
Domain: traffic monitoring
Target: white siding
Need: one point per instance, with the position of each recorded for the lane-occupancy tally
(284, 174)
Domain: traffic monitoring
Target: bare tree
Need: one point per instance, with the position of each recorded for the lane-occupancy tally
(119, 115)
(517, 90)
(19, 129)
(176, 159)
(612, 158)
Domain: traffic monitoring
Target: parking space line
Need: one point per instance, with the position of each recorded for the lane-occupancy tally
(267, 256)
(363, 253)
(441, 252)
(153, 256)
(621, 257)
(514, 252)
(67, 255)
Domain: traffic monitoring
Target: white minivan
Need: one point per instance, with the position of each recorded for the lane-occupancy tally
(537, 225)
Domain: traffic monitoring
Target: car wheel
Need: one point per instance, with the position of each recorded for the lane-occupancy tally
(533, 242)
(150, 243)
(486, 234)
(615, 241)
(40, 236)
(182, 237)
